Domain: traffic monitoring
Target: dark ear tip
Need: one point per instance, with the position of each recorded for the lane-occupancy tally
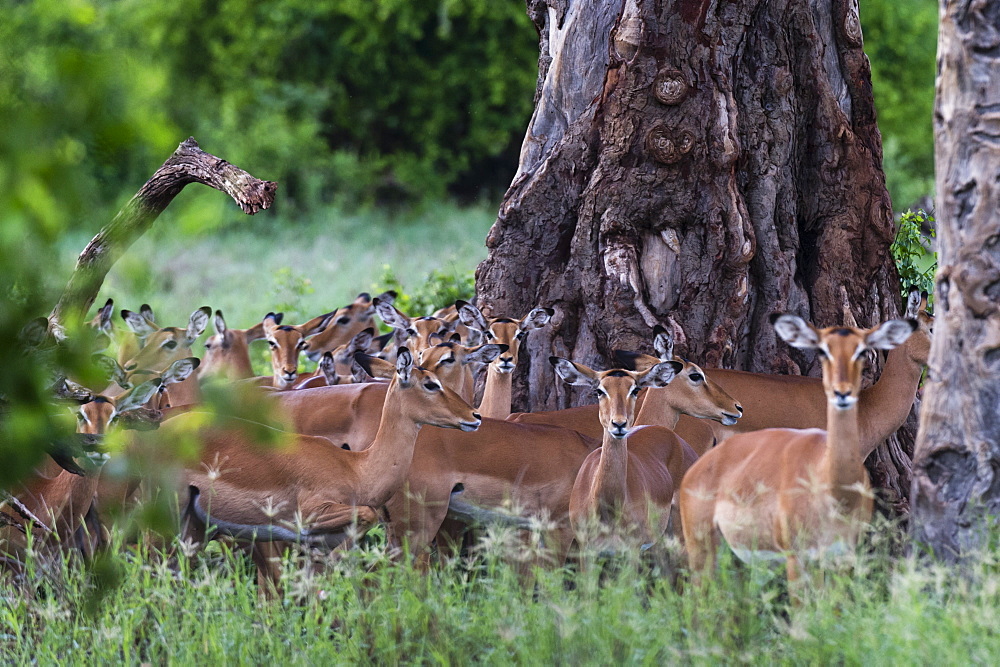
(125, 313)
(393, 293)
(218, 313)
(550, 311)
(328, 355)
(913, 288)
(376, 301)
(924, 294)
(913, 324)
(773, 317)
(553, 360)
(205, 309)
(659, 329)
(676, 365)
(273, 316)
(461, 303)
(503, 348)
(365, 295)
(109, 302)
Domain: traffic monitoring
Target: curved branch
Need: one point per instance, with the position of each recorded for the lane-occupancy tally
(188, 164)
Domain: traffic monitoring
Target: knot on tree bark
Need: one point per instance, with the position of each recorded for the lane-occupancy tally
(667, 145)
(670, 87)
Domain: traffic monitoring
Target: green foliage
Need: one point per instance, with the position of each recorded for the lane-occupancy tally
(439, 290)
(289, 289)
(900, 39)
(343, 101)
(913, 252)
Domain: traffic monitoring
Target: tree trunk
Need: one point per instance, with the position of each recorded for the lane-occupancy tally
(703, 163)
(956, 485)
(188, 164)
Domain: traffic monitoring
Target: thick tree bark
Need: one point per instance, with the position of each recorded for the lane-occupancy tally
(701, 163)
(956, 485)
(188, 164)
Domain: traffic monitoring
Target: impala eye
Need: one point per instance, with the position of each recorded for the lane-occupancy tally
(302, 344)
(411, 332)
(344, 321)
(635, 391)
(600, 393)
(520, 335)
(489, 335)
(432, 386)
(448, 360)
(170, 344)
(272, 344)
(696, 377)
(208, 345)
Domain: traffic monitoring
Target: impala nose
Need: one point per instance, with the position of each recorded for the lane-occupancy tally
(618, 428)
(739, 408)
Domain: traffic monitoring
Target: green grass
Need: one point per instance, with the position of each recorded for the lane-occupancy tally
(367, 608)
(249, 266)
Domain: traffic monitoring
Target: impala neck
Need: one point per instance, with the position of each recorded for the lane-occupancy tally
(187, 392)
(497, 395)
(885, 405)
(657, 410)
(843, 463)
(384, 465)
(610, 480)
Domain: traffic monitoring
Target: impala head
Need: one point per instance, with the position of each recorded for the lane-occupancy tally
(162, 347)
(842, 351)
(919, 344)
(345, 323)
(415, 332)
(447, 360)
(227, 352)
(420, 394)
(287, 342)
(97, 415)
(616, 389)
(693, 391)
(503, 330)
(337, 366)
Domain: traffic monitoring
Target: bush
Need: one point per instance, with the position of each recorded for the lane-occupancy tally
(913, 252)
(439, 290)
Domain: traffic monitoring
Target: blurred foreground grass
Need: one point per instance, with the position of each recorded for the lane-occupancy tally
(303, 266)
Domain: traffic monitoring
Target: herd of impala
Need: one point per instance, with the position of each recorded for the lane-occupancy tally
(769, 465)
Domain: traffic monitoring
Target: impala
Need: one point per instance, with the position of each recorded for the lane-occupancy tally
(630, 481)
(311, 490)
(227, 353)
(346, 323)
(338, 366)
(451, 362)
(691, 393)
(286, 343)
(165, 346)
(791, 493)
(415, 332)
(506, 331)
(793, 401)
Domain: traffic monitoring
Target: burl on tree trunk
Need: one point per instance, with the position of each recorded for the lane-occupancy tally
(700, 164)
(956, 485)
(188, 164)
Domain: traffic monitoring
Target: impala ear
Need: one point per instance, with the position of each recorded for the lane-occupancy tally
(139, 396)
(362, 299)
(536, 319)
(795, 331)
(913, 304)
(358, 374)
(138, 324)
(635, 361)
(455, 338)
(219, 322)
(147, 311)
(470, 316)
(574, 373)
(379, 342)
(104, 316)
(661, 374)
(404, 366)
(197, 324)
(484, 354)
(317, 324)
(390, 315)
(180, 370)
(663, 342)
(388, 296)
(360, 342)
(328, 367)
(890, 334)
(270, 323)
(256, 332)
(375, 367)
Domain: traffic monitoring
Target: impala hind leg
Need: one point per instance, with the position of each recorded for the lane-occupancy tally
(267, 557)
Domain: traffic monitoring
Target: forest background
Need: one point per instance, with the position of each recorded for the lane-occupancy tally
(392, 127)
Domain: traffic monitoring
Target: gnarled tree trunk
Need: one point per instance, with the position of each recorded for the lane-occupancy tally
(705, 163)
(956, 486)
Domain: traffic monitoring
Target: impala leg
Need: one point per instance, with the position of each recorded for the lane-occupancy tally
(267, 557)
